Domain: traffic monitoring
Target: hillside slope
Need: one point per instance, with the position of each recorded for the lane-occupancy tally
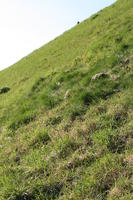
(66, 114)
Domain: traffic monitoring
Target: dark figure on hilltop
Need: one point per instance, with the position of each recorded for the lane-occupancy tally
(78, 22)
(4, 90)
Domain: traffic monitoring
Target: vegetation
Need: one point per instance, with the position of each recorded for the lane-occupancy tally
(66, 124)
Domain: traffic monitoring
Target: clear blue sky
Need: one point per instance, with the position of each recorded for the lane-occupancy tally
(28, 24)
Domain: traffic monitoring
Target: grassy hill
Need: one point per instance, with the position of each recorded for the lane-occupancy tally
(66, 114)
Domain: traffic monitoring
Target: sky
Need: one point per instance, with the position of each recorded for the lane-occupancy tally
(26, 25)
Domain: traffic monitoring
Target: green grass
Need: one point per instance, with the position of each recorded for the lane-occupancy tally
(64, 135)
